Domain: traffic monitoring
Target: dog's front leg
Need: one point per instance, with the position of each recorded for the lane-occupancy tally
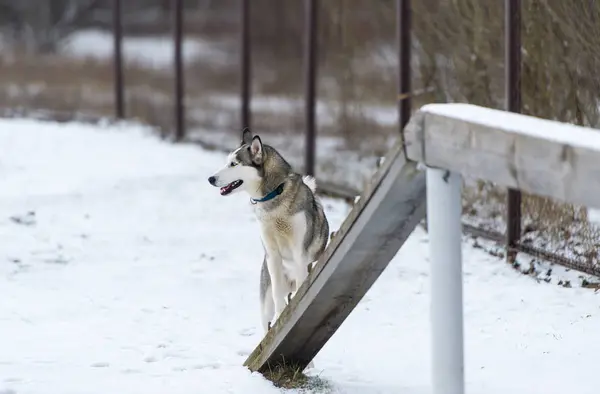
(279, 287)
(301, 271)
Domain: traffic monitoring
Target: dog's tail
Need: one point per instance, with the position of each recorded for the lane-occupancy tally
(311, 182)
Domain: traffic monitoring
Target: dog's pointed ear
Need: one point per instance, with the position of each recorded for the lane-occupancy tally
(256, 150)
(246, 136)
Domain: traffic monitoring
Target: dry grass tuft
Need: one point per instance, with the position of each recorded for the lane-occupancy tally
(288, 376)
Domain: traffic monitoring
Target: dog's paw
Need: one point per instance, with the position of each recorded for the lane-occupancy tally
(291, 295)
(332, 235)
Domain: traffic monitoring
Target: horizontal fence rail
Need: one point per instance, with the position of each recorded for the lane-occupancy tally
(538, 156)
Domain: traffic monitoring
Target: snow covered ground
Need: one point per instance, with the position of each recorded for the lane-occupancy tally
(123, 271)
(154, 52)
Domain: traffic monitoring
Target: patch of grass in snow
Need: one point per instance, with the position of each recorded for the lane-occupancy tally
(537, 268)
(550, 225)
(589, 284)
(290, 376)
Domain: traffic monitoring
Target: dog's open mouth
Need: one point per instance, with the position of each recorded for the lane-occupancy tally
(225, 190)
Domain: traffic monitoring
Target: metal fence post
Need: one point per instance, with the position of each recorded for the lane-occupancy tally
(118, 59)
(178, 63)
(310, 70)
(245, 64)
(403, 40)
(444, 208)
(512, 33)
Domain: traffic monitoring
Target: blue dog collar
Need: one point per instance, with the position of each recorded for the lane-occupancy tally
(269, 196)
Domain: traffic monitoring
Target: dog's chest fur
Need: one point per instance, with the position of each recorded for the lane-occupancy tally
(282, 231)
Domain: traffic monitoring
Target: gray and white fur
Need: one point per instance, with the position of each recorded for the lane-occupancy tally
(293, 227)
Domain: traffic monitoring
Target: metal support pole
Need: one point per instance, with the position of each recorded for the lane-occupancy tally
(512, 32)
(403, 24)
(118, 60)
(178, 63)
(245, 63)
(310, 70)
(444, 208)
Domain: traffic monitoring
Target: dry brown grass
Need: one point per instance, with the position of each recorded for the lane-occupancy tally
(549, 225)
(288, 376)
(86, 86)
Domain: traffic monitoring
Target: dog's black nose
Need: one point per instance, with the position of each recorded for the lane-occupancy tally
(212, 180)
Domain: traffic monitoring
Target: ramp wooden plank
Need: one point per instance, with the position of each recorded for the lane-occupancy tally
(369, 238)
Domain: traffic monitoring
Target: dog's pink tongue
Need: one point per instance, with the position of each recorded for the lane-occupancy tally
(224, 189)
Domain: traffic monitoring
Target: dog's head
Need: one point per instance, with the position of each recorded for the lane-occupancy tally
(242, 171)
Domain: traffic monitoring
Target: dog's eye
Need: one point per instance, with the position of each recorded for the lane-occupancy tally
(233, 164)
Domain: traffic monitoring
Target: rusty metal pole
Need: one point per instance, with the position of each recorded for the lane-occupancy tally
(118, 60)
(403, 41)
(512, 35)
(178, 62)
(245, 65)
(310, 79)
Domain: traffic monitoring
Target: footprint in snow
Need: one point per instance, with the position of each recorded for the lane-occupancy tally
(248, 332)
(207, 366)
(26, 220)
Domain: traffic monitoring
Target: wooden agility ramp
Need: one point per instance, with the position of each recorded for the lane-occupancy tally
(378, 225)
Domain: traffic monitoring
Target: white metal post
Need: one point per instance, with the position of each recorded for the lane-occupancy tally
(444, 210)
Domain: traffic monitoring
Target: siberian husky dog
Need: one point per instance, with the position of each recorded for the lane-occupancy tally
(293, 226)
